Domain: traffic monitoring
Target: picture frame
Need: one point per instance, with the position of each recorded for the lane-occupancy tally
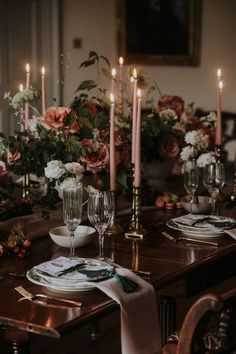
(159, 32)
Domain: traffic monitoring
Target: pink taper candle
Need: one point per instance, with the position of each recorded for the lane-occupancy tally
(21, 88)
(113, 74)
(134, 116)
(27, 84)
(137, 170)
(121, 63)
(43, 90)
(112, 146)
(218, 131)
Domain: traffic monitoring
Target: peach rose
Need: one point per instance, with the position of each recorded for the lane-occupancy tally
(169, 147)
(55, 116)
(97, 159)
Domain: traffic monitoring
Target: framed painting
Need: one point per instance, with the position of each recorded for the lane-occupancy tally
(159, 32)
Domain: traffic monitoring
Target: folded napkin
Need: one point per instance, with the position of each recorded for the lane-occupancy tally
(140, 331)
(231, 232)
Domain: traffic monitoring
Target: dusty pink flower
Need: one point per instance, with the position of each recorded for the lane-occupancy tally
(96, 158)
(55, 117)
(169, 147)
(171, 102)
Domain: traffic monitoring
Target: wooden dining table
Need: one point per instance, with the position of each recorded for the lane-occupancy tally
(179, 272)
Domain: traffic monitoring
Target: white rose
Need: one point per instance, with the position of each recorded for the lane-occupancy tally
(55, 169)
(76, 168)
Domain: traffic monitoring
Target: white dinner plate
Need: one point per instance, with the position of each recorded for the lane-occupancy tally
(200, 234)
(93, 270)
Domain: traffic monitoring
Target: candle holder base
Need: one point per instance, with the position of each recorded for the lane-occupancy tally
(135, 233)
(135, 228)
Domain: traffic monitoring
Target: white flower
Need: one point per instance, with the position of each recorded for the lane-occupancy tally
(76, 168)
(55, 169)
(187, 152)
(167, 114)
(192, 137)
(24, 96)
(206, 159)
(68, 183)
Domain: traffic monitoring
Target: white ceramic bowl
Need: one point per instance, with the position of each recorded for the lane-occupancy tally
(203, 205)
(83, 235)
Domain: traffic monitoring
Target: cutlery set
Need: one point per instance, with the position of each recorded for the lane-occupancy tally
(29, 296)
(183, 238)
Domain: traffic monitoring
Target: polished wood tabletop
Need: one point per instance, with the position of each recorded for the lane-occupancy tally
(167, 262)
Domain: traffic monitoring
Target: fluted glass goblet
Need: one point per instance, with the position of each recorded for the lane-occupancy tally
(72, 211)
(101, 210)
(191, 179)
(214, 180)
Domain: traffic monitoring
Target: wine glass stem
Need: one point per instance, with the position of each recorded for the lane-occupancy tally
(72, 243)
(100, 240)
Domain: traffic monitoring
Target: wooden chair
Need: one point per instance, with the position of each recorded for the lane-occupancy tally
(209, 327)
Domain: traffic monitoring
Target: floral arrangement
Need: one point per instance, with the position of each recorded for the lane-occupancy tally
(171, 126)
(79, 134)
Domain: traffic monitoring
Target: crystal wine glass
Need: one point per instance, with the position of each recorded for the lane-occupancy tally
(72, 211)
(100, 213)
(214, 180)
(191, 179)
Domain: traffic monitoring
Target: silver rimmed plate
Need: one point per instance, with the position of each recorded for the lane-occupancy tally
(201, 232)
(80, 279)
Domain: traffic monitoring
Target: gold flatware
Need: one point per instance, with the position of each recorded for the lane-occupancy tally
(29, 296)
(183, 238)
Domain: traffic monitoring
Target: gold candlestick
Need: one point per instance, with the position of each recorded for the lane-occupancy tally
(114, 227)
(135, 228)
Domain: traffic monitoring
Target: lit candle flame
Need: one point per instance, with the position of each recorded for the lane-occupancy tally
(27, 68)
(135, 73)
(112, 98)
(139, 94)
(113, 73)
(131, 79)
(219, 73)
(21, 87)
(43, 70)
(121, 61)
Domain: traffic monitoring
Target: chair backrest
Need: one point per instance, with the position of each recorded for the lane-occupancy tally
(208, 327)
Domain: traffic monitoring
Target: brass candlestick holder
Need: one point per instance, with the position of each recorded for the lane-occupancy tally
(219, 153)
(114, 228)
(135, 228)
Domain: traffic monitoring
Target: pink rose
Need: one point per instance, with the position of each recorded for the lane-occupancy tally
(13, 156)
(169, 147)
(171, 102)
(55, 117)
(96, 158)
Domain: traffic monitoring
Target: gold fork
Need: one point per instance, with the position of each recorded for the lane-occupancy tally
(29, 296)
